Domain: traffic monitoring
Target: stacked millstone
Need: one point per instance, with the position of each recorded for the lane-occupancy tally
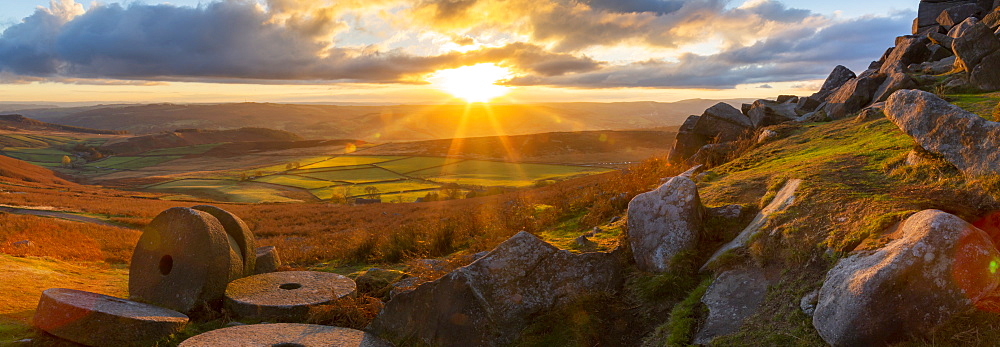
(183, 262)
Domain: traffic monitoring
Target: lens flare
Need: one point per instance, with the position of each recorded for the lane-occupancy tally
(476, 83)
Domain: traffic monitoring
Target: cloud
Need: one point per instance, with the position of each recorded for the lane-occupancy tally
(765, 86)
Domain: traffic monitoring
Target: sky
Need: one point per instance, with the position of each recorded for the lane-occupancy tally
(393, 51)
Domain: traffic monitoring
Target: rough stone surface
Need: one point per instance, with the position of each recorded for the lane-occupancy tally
(986, 75)
(807, 104)
(714, 154)
(940, 267)
(853, 96)
(687, 142)
(285, 296)
(182, 259)
(724, 212)
(583, 242)
(808, 303)
(837, 78)
(664, 222)
(782, 200)
(937, 67)
(723, 123)
(962, 28)
(956, 14)
(964, 139)
(286, 334)
(992, 19)
(977, 43)
(489, 302)
(894, 81)
(782, 99)
(404, 286)
(766, 112)
(909, 50)
(929, 11)
(731, 298)
(870, 113)
(100, 320)
(941, 39)
(766, 135)
(239, 232)
(267, 260)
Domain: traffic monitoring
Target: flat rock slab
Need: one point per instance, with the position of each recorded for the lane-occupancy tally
(100, 320)
(239, 232)
(732, 297)
(285, 296)
(781, 202)
(182, 260)
(286, 334)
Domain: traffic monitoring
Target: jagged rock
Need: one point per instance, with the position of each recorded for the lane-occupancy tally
(894, 81)
(286, 335)
(100, 320)
(725, 212)
(853, 96)
(909, 50)
(766, 112)
(807, 104)
(875, 65)
(992, 19)
(722, 123)
(838, 77)
(977, 43)
(871, 113)
(766, 135)
(814, 117)
(962, 28)
(986, 75)
(714, 154)
(285, 296)
(937, 67)
(956, 14)
(489, 302)
(808, 303)
(687, 142)
(956, 83)
(745, 108)
(267, 260)
(939, 52)
(940, 267)
(931, 29)
(377, 282)
(730, 299)
(964, 139)
(941, 39)
(783, 99)
(663, 223)
(781, 202)
(930, 10)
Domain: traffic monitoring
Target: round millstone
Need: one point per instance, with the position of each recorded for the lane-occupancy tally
(285, 296)
(246, 243)
(287, 335)
(267, 260)
(182, 259)
(100, 320)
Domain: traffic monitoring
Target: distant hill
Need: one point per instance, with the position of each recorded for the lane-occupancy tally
(383, 123)
(19, 122)
(20, 170)
(191, 137)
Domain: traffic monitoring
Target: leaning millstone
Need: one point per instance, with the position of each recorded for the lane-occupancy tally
(286, 334)
(182, 260)
(781, 202)
(964, 139)
(267, 260)
(977, 43)
(663, 223)
(939, 268)
(730, 299)
(285, 296)
(246, 243)
(100, 320)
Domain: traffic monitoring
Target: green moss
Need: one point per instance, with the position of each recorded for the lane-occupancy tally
(679, 330)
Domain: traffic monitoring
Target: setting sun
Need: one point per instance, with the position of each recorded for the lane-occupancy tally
(476, 83)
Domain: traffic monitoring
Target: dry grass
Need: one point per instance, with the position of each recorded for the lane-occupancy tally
(349, 312)
(65, 240)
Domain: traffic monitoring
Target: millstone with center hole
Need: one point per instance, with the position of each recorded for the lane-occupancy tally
(286, 335)
(285, 296)
(183, 259)
(238, 230)
(100, 320)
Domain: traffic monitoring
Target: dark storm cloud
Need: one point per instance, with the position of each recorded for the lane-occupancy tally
(634, 6)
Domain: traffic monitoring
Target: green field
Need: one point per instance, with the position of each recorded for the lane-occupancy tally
(188, 150)
(355, 176)
(131, 163)
(349, 160)
(416, 164)
(491, 173)
(36, 155)
(296, 181)
(223, 190)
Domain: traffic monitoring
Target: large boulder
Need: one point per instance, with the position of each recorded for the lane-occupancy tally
(930, 10)
(489, 302)
(837, 78)
(977, 43)
(853, 96)
(893, 82)
(723, 123)
(964, 139)
(664, 222)
(986, 75)
(962, 28)
(940, 267)
(730, 299)
(687, 141)
(765, 112)
(714, 154)
(909, 50)
(956, 14)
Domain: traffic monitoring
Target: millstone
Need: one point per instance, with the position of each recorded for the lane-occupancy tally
(267, 260)
(235, 227)
(100, 320)
(183, 259)
(285, 296)
(286, 334)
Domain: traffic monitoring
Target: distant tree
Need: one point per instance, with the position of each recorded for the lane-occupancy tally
(372, 192)
(452, 191)
(289, 167)
(66, 161)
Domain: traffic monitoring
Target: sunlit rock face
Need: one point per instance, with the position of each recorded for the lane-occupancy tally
(664, 222)
(940, 267)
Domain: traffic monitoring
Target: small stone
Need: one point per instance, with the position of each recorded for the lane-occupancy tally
(23, 243)
(808, 303)
(287, 335)
(766, 135)
(267, 260)
(584, 242)
(614, 219)
(285, 296)
(100, 320)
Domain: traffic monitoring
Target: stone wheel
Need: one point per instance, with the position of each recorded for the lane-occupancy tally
(100, 320)
(286, 334)
(246, 243)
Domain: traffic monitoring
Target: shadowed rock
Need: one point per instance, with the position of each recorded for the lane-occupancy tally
(285, 296)
(909, 50)
(930, 10)
(100, 320)
(781, 202)
(837, 78)
(267, 260)
(956, 14)
(986, 75)
(962, 28)
(687, 141)
(853, 96)
(977, 43)
(964, 139)
(286, 334)
(489, 302)
(664, 222)
(894, 81)
(732, 297)
(939, 268)
(766, 112)
(723, 123)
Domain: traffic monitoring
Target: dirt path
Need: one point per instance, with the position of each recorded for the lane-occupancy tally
(57, 214)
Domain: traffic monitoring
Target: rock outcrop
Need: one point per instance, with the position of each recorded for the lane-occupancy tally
(909, 50)
(687, 141)
(853, 96)
(939, 268)
(723, 123)
(977, 43)
(838, 77)
(765, 112)
(730, 299)
(930, 10)
(664, 222)
(782, 200)
(489, 302)
(964, 139)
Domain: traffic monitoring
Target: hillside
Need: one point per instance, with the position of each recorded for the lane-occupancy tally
(18, 122)
(192, 137)
(381, 123)
(11, 168)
